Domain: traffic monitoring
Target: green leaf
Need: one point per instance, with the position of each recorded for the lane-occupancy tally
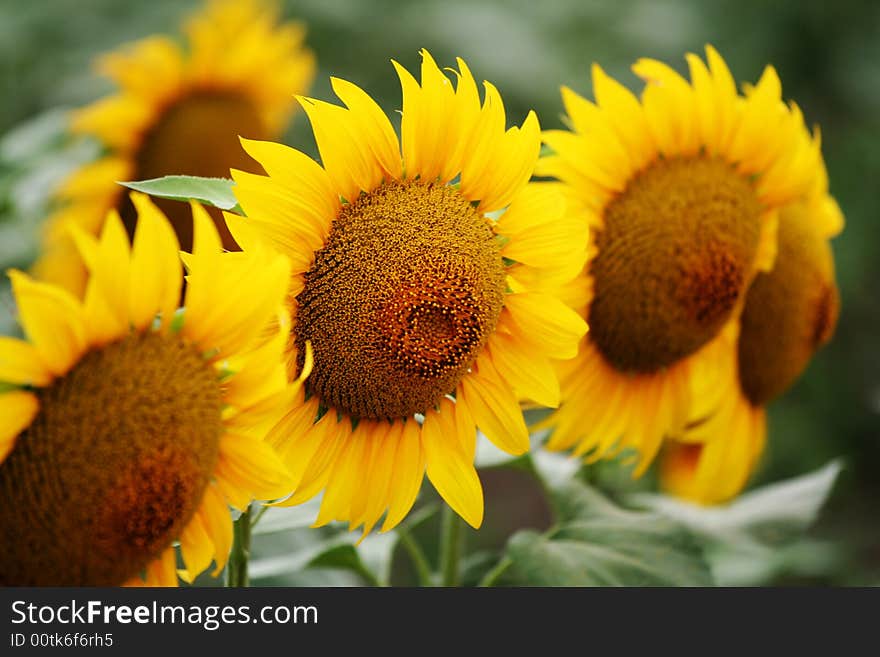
(601, 544)
(371, 560)
(279, 519)
(211, 191)
(294, 560)
(37, 135)
(760, 536)
(771, 515)
(344, 557)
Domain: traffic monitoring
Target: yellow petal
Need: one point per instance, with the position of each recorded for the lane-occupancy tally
(346, 474)
(253, 285)
(454, 477)
(532, 377)
(376, 489)
(297, 172)
(409, 470)
(547, 323)
(333, 438)
(196, 546)
(110, 270)
(347, 158)
(162, 571)
(379, 134)
(18, 409)
(52, 320)
(253, 467)
(494, 408)
(156, 272)
(20, 363)
(214, 514)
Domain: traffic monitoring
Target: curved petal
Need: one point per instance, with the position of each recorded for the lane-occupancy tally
(52, 320)
(448, 468)
(18, 409)
(20, 363)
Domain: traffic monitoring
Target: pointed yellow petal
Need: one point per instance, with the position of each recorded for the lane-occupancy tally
(494, 408)
(156, 272)
(253, 286)
(530, 376)
(380, 134)
(162, 571)
(214, 514)
(20, 363)
(196, 546)
(301, 175)
(454, 477)
(409, 470)
(253, 466)
(52, 320)
(547, 323)
(333, 439)
(206, 240)
(347, 158)
(346, 473)
(376, 491)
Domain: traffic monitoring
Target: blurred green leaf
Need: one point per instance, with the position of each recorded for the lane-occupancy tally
(211, 191)
(345, 557)
(601, 544)
(337, 550)
(278, 519)
(770, 515)
(760, 535)
(37, 135)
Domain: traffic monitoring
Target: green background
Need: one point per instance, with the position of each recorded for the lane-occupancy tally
(827, 55)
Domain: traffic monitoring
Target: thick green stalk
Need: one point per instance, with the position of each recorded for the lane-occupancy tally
(450, 547)
(237, 568)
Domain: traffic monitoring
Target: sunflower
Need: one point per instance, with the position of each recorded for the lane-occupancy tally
(789, 313)
(430, 310)
(128, 425)
(683, 189)
(178, 111)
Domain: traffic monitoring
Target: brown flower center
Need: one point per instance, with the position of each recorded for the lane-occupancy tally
(673, 259)
(112, 468)
(790, 312)
(197, 135)
(400, 300)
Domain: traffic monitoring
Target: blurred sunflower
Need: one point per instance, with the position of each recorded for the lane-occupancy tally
(424, 310)
(127, 425)
(789, 313)
(683, 190)
(178, 111)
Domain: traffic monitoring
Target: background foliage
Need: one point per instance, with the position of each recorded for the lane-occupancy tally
(828, 56)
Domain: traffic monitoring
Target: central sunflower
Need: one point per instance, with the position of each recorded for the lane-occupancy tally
(683, 189)
(400, 300)
(426, 277)
(179, 110)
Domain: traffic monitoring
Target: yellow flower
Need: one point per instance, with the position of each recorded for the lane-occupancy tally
(128, 425)
(683, 189)
(789, 313)
(429, 316)
(179, 110)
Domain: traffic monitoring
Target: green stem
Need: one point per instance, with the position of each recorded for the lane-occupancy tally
(237, 568)
(417, 556)
(256, 518)
(492, 576)
(450, 546)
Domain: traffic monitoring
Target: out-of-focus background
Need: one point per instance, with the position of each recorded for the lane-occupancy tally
(827, 55)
